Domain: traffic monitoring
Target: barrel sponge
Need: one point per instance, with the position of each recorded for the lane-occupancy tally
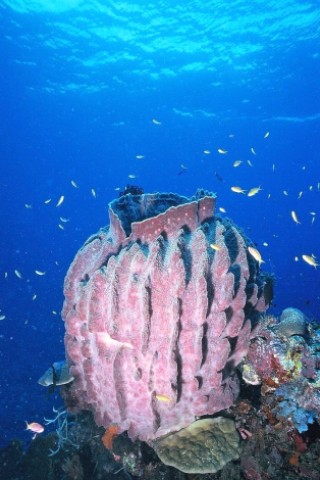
(203, 447)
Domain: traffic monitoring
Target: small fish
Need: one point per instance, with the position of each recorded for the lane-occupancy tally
(265, 244)
(39, 272)
(300, 195)
(117, 189)
(255, 254)
(156, 122)
(35, 427)
(310, 188)
(65, 220)
(216, 174)
(222, 210)
(273, 167)
(163, 398)
(249, 163)
(207, 152)
(310, 260)
(252, 150)
(93, 193)
(215, 247)
(47, 201)
(266, 135)
(296, 259)
(60, 201)
(34, 297)
(269, 196)
(132, 176)
(285, 193)
(5, 274)
(28, 205)
(61, 226)
(57, 374)
(222, 151)
(74, 184)
(2, 317)
(139, 157)
(237, 163)
(254, 191)
(294, 217)
(238, 190)
(18, 274)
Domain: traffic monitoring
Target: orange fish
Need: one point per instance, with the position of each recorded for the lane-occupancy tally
(34, 427)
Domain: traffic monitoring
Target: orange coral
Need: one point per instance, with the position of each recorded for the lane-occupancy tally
(108, 436)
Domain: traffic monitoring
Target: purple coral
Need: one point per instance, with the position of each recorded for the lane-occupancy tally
(156, 319)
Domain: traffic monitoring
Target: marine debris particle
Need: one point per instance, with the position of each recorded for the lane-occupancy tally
(203, 447)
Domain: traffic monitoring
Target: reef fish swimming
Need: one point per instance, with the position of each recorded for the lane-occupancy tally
(57, 374)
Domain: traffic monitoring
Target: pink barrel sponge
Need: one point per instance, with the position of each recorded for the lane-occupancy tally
(159, 309)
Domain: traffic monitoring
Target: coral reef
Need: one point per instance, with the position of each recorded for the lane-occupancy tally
(185, 449)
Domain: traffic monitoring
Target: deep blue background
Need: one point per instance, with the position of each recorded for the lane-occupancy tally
(81, 82)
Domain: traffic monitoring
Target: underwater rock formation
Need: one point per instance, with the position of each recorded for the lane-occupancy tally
(159, 310)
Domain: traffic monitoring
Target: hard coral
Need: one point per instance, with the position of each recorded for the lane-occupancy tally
(156, 319)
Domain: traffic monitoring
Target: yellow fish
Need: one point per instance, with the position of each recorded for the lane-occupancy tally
(294, 217)
(163, 398)
(238, 190)
(237, 163)
(60, 201)
(254, 191)
(256, 254)
(310, 260)
(215, 247)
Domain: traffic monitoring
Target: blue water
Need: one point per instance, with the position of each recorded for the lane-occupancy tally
(89, 86)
